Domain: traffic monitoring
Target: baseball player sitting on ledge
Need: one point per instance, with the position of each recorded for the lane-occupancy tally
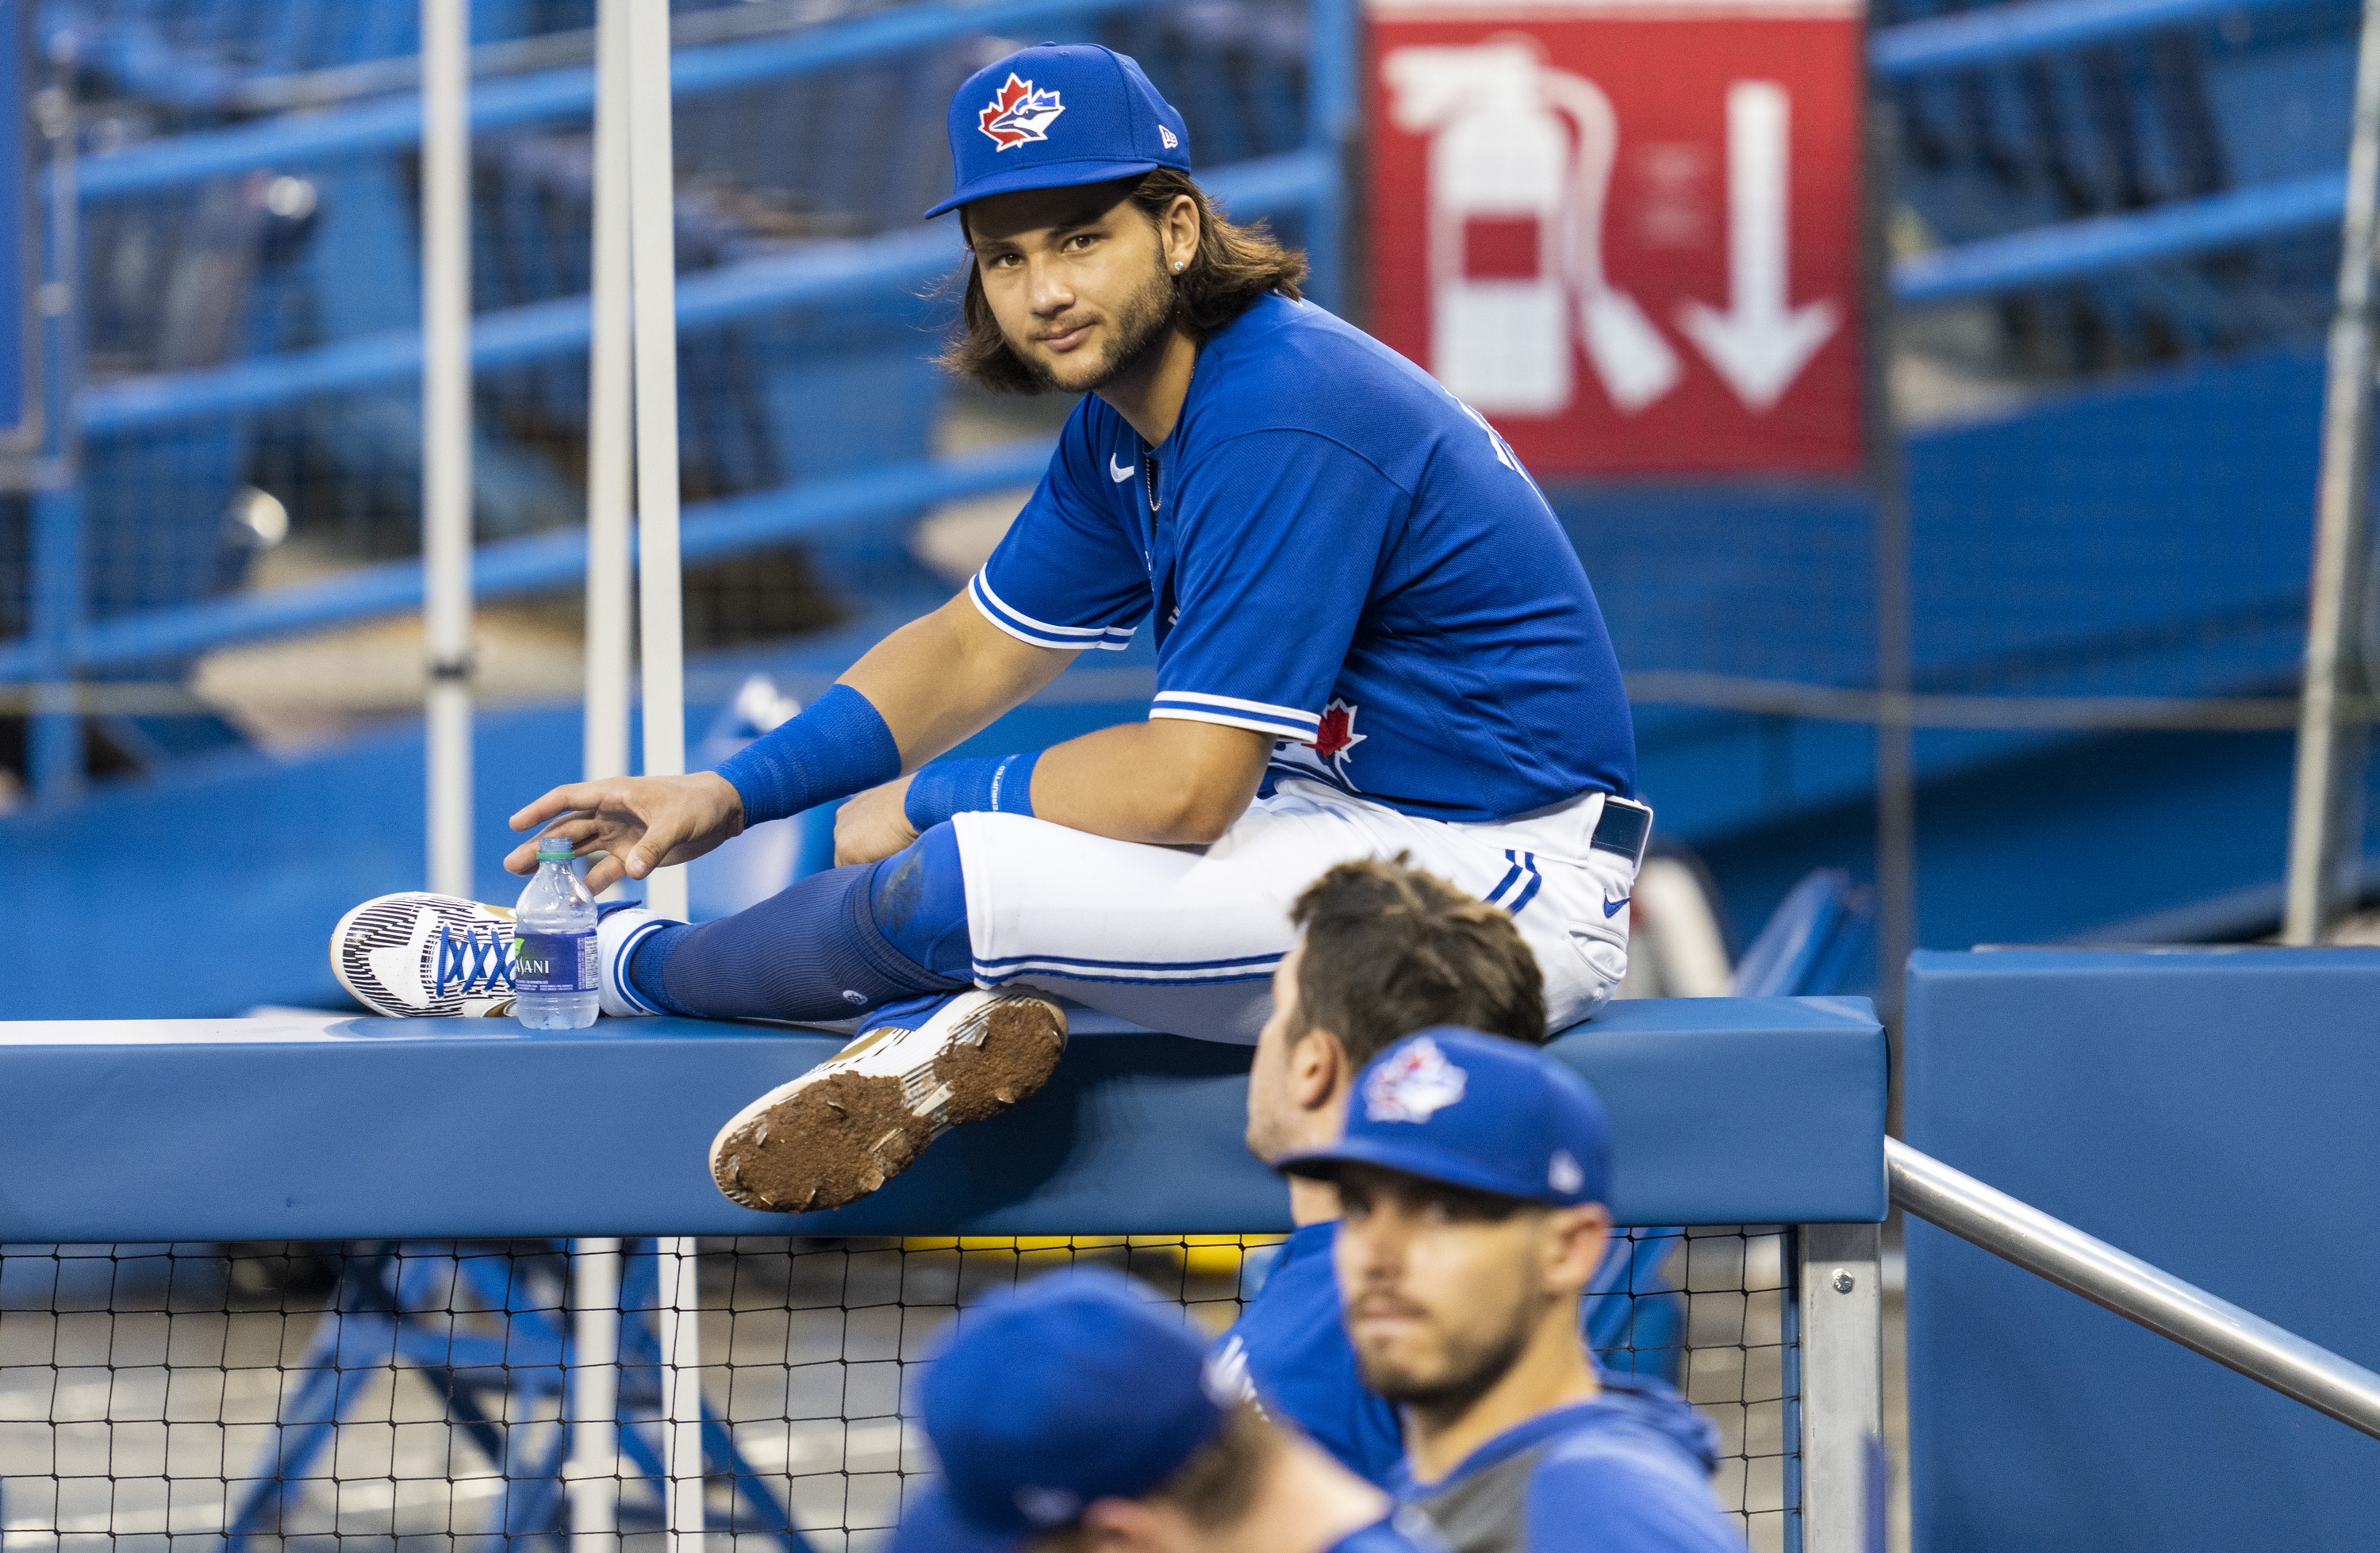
(1074, 1415)
(1471, 1181)
(1371, 637)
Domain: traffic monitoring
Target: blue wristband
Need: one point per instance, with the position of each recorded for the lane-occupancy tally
(837, 747)
(997, 784)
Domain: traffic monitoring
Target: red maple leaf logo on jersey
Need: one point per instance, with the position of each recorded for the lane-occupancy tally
(1018, 113)
(1335, 735)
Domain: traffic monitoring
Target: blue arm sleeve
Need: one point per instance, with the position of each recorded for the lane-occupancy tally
(837, 747)
(994, 784)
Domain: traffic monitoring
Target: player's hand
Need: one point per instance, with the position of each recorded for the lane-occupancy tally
(642, 823)
(873, 825)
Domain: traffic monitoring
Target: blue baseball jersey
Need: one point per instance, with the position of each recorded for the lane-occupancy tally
(1290, 1350)
(1628, 1472)
(1332, 549)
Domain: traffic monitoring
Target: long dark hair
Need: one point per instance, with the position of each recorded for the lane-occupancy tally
(1234, 265)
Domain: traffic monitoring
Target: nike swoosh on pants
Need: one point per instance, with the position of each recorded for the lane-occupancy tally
(1611, 909)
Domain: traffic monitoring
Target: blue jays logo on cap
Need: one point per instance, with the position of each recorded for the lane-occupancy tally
(1475, 1111)
(1413, 1084)
(1057, 115)
(1018, 113)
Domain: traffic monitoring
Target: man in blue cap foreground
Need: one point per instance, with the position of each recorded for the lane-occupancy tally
(1370, 634)
(1472, 1180)
(1076, 1415)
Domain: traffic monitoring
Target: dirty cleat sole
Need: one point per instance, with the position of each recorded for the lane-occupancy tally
(416, 954)
(856, 1120)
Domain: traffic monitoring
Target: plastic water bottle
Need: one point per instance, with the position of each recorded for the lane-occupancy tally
(553, 945)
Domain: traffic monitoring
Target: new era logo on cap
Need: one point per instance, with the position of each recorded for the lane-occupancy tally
(1413, 1085)
(1018, 115)
(1563, 1172)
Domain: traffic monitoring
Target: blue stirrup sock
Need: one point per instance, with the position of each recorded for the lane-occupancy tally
(826, 947)
(838, 746)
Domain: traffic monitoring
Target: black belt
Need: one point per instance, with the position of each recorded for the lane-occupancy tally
(1624, 827)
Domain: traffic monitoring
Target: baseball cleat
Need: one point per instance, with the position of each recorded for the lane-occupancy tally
(862, 1117)
(417, 954)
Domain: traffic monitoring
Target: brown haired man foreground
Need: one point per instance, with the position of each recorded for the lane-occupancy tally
(1385, 949)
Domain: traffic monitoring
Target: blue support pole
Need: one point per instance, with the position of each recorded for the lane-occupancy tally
(1330, 127)
(54, 764)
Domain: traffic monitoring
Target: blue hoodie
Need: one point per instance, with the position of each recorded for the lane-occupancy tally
(1628, 1472)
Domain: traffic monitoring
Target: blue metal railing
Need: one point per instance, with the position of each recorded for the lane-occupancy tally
(1998, 33)
(569, 93)
(1310, 180)
(532, 563)
(819, 273)
(2072, 251)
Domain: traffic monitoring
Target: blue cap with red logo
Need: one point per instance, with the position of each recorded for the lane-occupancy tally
(1055, 116)
(1079, 1386)
(1455, 1106)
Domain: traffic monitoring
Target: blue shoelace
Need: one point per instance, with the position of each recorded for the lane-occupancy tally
(480, 959)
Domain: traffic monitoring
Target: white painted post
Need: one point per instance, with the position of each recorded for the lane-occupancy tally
(592, 1473)
(446, 436)
(608, 425)
(681, 1335)
(652, 240)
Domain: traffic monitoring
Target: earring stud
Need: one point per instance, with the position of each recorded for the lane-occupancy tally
(1177, 266)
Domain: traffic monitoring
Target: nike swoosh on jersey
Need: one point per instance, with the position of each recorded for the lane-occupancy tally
(1118, 472)
(1611, 909)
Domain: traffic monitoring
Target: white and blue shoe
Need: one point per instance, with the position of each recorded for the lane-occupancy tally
(419, 956)
(862, 1117)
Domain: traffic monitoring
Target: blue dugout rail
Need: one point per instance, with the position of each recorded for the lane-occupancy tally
(1724, 1111)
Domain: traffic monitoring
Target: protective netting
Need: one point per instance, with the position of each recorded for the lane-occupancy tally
(377, 1397)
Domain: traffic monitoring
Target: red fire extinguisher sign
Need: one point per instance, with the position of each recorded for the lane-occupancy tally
(1628, 233)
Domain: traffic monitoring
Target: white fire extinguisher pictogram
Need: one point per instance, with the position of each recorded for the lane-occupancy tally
(1518, 148)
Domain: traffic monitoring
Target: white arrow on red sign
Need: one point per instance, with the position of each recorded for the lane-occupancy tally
(1759, 345)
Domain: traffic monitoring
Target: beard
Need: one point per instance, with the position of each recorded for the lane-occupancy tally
(1136, 328)
(1470, 1362)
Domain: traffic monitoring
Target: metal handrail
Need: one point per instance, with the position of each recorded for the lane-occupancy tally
(1956, 1202)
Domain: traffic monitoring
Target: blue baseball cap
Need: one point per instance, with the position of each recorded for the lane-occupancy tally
(1079, 1386)
(1055, 116)
(1455, 1106)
